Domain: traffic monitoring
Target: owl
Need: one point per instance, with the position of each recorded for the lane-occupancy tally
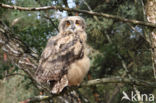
(64, 61)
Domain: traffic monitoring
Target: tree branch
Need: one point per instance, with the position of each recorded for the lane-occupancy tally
(98, 81)
(67, 6)
(17, 51)
(137, 22)
(37, 99)
(119, 80)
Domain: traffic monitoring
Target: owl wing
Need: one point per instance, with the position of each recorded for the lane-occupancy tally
(59, 53)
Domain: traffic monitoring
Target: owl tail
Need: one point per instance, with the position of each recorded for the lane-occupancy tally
(60, 85)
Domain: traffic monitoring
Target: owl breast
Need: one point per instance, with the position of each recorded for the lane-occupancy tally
(78, 70)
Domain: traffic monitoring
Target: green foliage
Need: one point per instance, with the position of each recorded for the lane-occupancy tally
(128, 10)
(26, 3)
(36, 35)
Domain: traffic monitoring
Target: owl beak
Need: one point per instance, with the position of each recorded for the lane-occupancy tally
(73, 27)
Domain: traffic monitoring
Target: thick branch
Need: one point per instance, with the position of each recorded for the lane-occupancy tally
(18, 52)
(79, 11)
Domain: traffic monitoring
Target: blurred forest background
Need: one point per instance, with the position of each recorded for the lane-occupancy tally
(119, 49)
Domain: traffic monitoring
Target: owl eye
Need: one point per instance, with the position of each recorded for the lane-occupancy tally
(77, 22)
(67, 23)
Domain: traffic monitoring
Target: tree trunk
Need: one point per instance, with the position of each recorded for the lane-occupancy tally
(151, 17)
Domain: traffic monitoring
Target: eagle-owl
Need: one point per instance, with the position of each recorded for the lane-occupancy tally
(64, 61)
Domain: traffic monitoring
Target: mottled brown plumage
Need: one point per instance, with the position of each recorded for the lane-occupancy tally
(64, 61)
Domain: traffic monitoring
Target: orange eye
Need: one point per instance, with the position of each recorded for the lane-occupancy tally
(67, 23)
(77, 22)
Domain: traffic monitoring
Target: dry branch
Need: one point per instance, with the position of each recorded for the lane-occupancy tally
(137, 22)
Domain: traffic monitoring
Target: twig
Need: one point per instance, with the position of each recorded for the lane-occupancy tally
(119, 86)
(133, 28)
(137, 22)
(37, 99)
(89, 8)
(14, 74)
(52, 22)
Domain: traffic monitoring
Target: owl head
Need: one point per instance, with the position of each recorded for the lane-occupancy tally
(72, 23)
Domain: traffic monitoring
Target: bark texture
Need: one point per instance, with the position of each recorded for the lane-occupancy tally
(151, 17)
